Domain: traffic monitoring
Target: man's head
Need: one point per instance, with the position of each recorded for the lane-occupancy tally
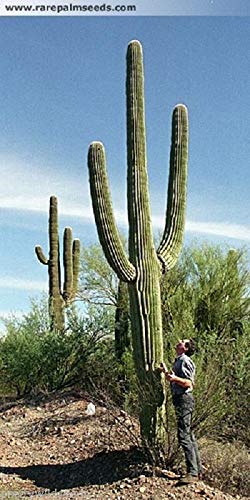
(185, 346)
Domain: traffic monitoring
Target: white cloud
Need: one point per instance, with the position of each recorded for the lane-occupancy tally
(21, 284)
(28, 187)
(222, 229)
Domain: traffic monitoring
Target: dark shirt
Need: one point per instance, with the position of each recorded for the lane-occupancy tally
(183, 367)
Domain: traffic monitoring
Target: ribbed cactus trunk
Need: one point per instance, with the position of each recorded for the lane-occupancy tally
(55, 300)
(145, 301)
(59, 299)
(142, 271)
(122, 337)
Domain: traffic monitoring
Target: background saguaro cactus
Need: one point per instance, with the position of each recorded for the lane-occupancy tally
(142, 270)
(60, 298)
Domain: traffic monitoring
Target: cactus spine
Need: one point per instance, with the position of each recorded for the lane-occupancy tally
(58, 298)
(142, 270)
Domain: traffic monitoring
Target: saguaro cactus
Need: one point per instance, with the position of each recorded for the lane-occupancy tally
(60, 298)
(122, 340)
(142, 270)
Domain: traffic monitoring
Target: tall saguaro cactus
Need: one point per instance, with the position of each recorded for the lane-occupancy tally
(59, 297)
(142, 270)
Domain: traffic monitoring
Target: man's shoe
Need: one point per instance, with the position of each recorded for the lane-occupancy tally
(188, 479)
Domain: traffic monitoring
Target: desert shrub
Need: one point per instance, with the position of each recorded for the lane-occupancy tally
(227, 466)
(33, 358)
(20, 360)
(206, 297)
(235, 425)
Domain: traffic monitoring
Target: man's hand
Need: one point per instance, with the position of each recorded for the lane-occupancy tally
(171, 377)
(163, 368)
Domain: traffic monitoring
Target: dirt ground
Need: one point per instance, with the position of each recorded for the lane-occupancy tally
(51, 449)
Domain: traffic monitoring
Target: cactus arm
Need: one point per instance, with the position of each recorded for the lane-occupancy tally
(141, 242)
(103, 212)
(76, 264)
(68, 264)
(172, 238)
(40, 255)
(136, 147)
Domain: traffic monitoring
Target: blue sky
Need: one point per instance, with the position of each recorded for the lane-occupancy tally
(63, 86)
(143, 8)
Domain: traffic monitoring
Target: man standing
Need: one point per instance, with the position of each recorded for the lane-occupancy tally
(181, 381)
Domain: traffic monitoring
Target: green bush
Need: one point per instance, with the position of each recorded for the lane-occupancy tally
(33, 358)
(206, 297)
(20, 360)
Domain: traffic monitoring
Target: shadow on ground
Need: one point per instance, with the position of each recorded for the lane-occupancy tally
(102, 468)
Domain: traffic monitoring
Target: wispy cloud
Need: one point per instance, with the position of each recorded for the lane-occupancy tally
(26, 187)
(21, 284)
(221, 229)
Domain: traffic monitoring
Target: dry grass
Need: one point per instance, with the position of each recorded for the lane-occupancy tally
(228, 466)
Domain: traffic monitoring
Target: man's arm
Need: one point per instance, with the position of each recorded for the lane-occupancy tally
(183, 382)
(171, 377)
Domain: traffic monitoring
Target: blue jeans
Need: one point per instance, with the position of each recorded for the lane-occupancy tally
(184, 406)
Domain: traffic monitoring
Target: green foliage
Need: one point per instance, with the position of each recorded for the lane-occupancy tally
(236, 371)
(20, 359)
(33, 358)
(206, 297)
(98, 283)
(208, 292)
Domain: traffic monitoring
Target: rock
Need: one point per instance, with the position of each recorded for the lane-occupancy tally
(201, 491)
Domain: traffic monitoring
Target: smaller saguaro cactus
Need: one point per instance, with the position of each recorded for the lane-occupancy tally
(60, 297)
